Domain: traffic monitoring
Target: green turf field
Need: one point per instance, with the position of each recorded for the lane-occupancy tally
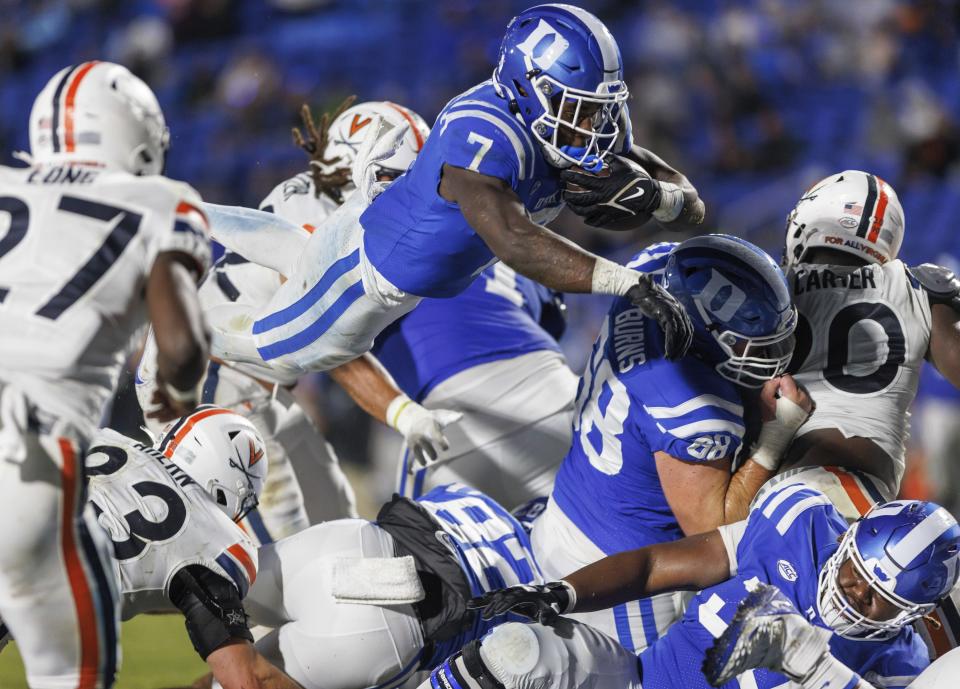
(156, 654)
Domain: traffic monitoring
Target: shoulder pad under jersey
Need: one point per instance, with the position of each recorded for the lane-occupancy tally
(940, 283)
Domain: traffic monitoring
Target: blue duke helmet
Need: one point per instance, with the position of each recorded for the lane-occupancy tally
(559, 65)
(907, 551)
(739, 303)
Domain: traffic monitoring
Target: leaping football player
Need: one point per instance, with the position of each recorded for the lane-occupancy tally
(490, 174)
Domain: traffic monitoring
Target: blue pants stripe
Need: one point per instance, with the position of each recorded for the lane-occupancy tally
(418, 482)
(404, 470)
(299, 307)
(622, 621)
(313, 332)
(648, 620)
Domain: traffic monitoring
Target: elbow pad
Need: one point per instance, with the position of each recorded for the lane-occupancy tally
(941, 284)
(211, 607)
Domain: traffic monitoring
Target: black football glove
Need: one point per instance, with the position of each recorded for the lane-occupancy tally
(657, 303)
(543, 603)
(626, 192)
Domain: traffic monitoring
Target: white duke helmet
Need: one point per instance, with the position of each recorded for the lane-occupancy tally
(223, 452)
(99, 112)
(349, 130)
(852, 211)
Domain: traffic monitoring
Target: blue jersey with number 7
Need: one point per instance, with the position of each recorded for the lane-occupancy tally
(420, 241)
(631, 404)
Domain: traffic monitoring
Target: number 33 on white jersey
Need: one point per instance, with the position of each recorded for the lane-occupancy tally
(861, 338)
(76, 245)
(160, 521)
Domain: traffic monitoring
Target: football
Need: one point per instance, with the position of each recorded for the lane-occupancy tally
(633, 222)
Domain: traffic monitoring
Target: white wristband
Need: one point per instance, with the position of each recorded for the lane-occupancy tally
(775, 435)
(395, 409)
(671, 202)
(612, 278)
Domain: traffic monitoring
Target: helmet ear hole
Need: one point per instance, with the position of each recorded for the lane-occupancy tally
(221, 497)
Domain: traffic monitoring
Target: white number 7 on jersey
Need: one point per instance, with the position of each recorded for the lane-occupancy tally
(485, 144)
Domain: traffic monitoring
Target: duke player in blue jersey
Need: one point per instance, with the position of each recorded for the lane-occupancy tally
(490, 173)
(352, 603)
(654, 440)
(490, 352)
(859, 587)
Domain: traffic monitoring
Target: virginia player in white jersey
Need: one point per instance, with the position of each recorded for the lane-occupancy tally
(490, 352)
(359, 604)
(170, 511)
(654, 440)
(95, 243)
(489, 174)
(859, 588)
(867, 323)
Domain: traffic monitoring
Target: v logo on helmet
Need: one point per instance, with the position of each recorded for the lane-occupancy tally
(551, 51)
(255, 454)
(721, 297)
(356, 124)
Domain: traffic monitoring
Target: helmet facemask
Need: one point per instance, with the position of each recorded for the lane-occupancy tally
(751, 361)
(565, 108)
(841, 616)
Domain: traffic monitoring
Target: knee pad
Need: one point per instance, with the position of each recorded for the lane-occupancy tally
(511, 652)
(463, 670)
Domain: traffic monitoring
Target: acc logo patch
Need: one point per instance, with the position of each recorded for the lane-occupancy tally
(787, 570)
(848, 222)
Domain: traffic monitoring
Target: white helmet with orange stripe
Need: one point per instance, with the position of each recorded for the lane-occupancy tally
(99, 112)
(852, 211)
(223, 452)
(348, 131)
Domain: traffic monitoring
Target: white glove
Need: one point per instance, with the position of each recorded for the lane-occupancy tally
(381, 142)
(421, 428)
(776, 435)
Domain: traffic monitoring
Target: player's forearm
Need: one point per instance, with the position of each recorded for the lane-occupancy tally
(693, 208)
(944, 351)
(546, 257)
(368, 384)
(741, 490)
(238, 665)
(688, 564)
(177, 323)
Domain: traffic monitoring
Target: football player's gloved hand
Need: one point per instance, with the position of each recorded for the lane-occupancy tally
(768, 631)
(421, 428)
(622, 190)
(657, 303)
(540, 602)
(379, 144)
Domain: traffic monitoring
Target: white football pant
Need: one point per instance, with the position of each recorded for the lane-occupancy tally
(321, 643)
(58, 591)
(515, 430)
(327, 313)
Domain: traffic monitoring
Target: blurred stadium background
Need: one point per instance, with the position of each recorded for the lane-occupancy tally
(753, 99)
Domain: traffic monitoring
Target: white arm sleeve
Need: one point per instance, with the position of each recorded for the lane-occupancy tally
(731, 535)
(258, 236)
